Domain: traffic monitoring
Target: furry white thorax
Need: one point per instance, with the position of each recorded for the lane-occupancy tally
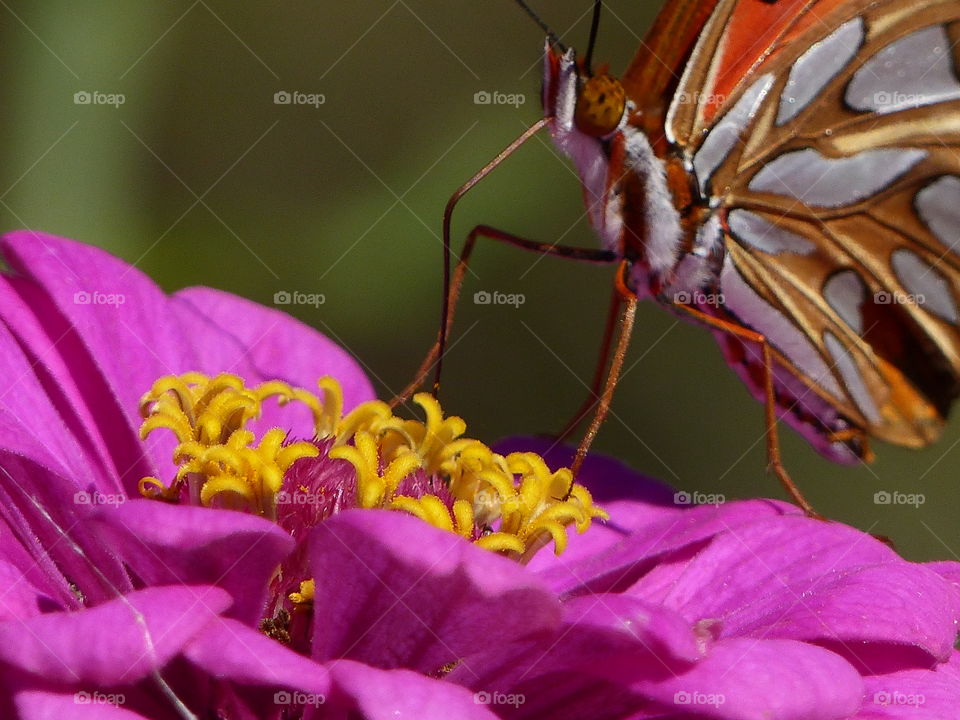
(603, 195)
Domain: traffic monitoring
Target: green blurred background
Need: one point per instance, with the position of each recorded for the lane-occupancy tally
(200, 178)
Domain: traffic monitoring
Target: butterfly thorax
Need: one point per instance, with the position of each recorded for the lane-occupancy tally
(639, 197)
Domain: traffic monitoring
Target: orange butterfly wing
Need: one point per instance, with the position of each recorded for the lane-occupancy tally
(838, 192)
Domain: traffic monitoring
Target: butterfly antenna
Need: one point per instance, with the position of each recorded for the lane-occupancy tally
(594, 26)
(554, 40)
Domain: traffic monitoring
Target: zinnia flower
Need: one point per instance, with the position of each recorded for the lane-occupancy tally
(306, 554)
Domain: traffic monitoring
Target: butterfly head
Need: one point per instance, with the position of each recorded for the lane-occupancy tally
(594, 104)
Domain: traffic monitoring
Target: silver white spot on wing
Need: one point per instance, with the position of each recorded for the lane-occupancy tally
(847, 367)
(845, 292)
(912, 71)
(938, 205)
(820, 64)
(759, 233)
(723, 136)
(753, 311)
(819, 181)
(925, 283)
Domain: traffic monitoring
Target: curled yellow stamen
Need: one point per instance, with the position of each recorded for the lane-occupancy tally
(307, 591)
(513, 504)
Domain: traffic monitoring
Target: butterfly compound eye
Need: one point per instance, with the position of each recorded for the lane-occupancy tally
(600, 106)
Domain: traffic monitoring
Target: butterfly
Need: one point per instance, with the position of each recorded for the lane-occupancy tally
(785, 173)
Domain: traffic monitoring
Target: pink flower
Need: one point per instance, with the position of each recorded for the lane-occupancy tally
(118, 607)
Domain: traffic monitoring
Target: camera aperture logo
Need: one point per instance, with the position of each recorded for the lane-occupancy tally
(95, 97)
(484, 97)
(298, 698)
(295, 297)
(498, 698)
(485, 297)
(83, 297)
(295, 97)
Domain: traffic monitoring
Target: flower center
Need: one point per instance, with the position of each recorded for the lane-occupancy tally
(510, 504)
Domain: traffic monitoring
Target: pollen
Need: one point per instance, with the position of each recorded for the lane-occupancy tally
(512, 504)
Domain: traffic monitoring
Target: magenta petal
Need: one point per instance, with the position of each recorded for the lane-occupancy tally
(173, 544)
(914, 694)
(745, 679)
(229, 650)
(112, 328)
(39, 705)
(23, 389)
(19, 599)
(118, 642)
(46, 513)
(264, 344)
(559, 676)
(417, 597)
(810, 580)
(615, 568)
(390, 694)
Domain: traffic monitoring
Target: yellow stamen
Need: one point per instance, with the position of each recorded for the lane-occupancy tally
(308, 589)
(513, 504)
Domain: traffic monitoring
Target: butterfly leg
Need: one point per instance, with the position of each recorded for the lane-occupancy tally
(590, 255)
(603, 359)
(774, 462)
(627, 315)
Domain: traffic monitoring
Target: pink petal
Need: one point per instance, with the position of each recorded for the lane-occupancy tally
(390, 694)
(172, 544)
(46, 513)
(395, 592)
(113, 350)
(118, 642)
(914, 694)
(82, 705)
(810, 580)
(229, 650)
(745, 679)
